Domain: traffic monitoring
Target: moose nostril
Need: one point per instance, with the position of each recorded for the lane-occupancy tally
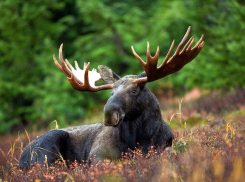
(111, 118)
(115, 117)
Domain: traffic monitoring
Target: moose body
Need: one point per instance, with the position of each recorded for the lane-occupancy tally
(142, 126)
(132, 117)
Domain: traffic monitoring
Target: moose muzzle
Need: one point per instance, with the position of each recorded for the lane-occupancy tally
(111, 118)
(113, 114)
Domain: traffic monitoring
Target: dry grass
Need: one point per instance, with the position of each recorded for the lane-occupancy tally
(211, 150)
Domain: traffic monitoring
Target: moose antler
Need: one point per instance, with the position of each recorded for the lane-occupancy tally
(175, 63)
(82, 80)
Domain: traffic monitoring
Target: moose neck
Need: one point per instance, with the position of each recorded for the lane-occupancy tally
(138, 126)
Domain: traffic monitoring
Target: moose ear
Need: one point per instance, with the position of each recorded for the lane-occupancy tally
(142, 86)
(107, 75)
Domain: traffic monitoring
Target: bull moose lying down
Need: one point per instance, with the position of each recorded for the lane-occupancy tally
(132, 117)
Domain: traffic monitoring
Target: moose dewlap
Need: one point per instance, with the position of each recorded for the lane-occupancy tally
(132, 117)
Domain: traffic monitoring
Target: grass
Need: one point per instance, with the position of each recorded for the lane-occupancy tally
(207, 147)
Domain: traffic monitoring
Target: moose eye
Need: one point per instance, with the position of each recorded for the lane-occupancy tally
(134, 91)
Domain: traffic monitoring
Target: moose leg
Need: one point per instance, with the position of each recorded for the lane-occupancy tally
(49, 147)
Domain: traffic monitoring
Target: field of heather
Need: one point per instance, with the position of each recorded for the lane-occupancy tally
(208, 146)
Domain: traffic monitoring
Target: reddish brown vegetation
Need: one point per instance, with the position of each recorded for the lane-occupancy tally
(200, 153)
(214, 103)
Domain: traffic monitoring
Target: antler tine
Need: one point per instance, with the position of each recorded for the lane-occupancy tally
(191, 43)
(138, 57)
(152, 61)
(199, 42)
(84, 65)
(76, 65)
(183, 40)
(188, 44)
(57, 64)
(86, 77)
(63, 65)
(168, 54)
(201, 45)
(69, 64)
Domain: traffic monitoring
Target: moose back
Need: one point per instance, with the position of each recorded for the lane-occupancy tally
(132, 117)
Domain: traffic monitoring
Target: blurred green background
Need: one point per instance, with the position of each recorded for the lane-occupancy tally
(34, 92)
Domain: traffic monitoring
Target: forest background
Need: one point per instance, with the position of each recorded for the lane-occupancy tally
(34, 92)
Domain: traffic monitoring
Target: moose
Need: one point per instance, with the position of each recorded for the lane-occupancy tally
(132, 116)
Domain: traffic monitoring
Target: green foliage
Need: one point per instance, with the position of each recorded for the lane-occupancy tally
(33, 91)
(221, 64)
(181, 146)
(24, 56)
